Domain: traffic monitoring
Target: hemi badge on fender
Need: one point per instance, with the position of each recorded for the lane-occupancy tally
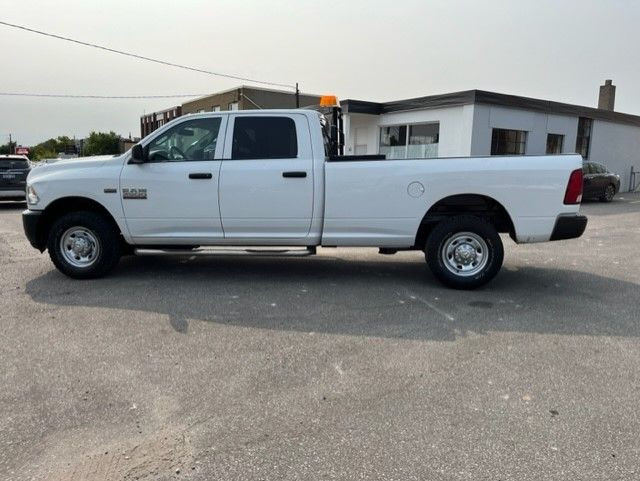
(110, 191)
(134, 193)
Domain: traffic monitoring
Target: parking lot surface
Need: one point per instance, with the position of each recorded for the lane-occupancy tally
(346, 365)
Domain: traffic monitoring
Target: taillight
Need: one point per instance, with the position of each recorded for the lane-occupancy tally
(573, 195)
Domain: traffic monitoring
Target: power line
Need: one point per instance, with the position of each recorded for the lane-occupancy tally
(149, 59)
(70, 96)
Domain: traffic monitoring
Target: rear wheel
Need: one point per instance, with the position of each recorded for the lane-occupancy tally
(464, 252)
(84, 245)
(609, 193)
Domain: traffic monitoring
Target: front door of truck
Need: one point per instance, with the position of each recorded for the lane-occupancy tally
(266, 179)
(173, 197)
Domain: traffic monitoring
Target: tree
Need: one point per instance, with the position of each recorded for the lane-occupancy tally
(50, 148)
(40, 152)
(102, 143)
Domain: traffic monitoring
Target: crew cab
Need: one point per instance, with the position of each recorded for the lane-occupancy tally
(272, 182)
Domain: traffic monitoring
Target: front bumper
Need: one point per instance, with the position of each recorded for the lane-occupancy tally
(31, 224)
(569, 227)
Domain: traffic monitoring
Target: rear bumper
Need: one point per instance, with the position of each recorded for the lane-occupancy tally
(13, 194)
(31, 223)
(569, 227)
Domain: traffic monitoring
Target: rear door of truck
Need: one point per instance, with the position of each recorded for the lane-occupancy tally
(266, 179)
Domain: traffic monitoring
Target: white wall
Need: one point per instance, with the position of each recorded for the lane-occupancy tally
(618, 147)
(466, 131)
(455, 129)
(615, 145)
(537, 124)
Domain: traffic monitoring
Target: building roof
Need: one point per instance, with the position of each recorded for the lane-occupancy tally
(249, 87)
(468, 97)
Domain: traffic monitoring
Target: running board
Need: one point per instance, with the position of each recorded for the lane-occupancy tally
(222, 251)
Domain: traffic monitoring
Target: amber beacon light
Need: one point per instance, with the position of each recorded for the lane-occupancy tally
(328, 101)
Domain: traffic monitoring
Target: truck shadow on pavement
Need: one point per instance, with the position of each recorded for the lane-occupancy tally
(388, 298)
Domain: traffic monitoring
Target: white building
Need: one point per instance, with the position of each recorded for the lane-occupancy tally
(477, 123)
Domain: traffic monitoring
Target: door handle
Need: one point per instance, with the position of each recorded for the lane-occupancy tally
(200, 175)
(298, 174)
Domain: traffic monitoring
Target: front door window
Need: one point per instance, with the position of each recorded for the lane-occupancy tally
(191, 140)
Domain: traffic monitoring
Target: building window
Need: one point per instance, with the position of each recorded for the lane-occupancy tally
(264, 138)
(410, 141)
(423, 141)
(215, 108)
(554, 143)
(583, 140)
(393, 142)
(508, 142)
(233, 106)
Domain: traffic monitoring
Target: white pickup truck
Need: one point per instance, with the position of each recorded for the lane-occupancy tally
(270, 182)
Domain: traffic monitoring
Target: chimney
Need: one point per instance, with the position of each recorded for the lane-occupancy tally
(607, 97)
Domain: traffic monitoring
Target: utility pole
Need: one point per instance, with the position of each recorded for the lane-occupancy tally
(10, 145)
(297, 96)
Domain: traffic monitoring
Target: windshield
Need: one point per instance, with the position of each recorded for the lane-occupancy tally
(20, 164)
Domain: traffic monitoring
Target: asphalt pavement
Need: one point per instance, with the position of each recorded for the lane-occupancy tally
(345, 365)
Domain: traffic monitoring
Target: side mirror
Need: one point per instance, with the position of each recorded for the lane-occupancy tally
(137, 154)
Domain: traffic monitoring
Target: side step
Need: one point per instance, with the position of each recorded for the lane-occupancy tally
(228, 251)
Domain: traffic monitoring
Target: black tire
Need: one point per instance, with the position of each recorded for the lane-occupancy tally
(446, 230)
(609, 193)
(102, 230)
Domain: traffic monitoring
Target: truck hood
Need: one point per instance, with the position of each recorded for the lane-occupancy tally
(77, 163)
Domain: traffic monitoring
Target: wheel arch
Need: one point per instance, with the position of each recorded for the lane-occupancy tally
(479, 205)
(64, 205)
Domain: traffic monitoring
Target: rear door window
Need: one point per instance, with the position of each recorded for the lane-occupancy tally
(264, 138)
(18, 164)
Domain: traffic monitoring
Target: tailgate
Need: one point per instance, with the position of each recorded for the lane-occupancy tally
(11, 179)
(13, 174)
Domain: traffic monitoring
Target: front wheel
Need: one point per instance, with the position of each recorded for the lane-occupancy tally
(464, 252)
(84, 245)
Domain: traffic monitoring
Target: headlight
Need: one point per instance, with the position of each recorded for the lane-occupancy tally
(32, 196)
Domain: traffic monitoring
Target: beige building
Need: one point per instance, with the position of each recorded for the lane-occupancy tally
(240, 98)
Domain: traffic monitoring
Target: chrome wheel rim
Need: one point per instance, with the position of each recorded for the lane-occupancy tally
(80, 247)
(465, 254)
(608, 193)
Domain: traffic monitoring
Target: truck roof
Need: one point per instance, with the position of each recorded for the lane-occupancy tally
(305, 111)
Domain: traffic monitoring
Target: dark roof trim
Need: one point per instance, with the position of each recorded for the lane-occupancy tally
(361, 107)
(468, 97)
(430, 102)
(547, 106)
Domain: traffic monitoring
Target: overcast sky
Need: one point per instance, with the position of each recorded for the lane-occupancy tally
(371, 50)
